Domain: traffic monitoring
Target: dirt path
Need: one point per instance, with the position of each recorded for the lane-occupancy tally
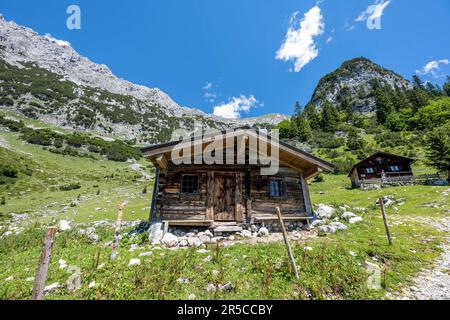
(433, 284)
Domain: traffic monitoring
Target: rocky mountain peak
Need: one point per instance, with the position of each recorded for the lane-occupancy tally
(354, 83)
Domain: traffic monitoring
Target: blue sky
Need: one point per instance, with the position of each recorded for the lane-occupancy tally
(223, 53)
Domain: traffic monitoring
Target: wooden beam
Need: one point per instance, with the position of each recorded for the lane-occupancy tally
(306, 197)
(44, 262)
(286, 242)
(161, 161)
(210, 195)
(189, 223)
(238, 197)
(116, 241)
(155, 195)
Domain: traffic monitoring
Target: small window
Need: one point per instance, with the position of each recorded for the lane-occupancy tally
(394, 168)
(370, 170)
(276, 188)
(189, 184)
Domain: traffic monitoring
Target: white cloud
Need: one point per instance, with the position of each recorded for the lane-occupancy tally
(374, 11)
(432, 67)
(207, 86)
(236, 105)
(330, 38)
(208, 95)
(299, 43)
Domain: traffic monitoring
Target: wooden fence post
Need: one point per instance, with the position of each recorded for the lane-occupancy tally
(286, 241)
(44, 261)
(388, 232)
(116, 240)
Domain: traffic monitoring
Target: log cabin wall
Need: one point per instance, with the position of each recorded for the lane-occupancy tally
(252, 190)
(292, 202)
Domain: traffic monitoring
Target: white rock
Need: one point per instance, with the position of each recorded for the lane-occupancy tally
(9, 278)
(208, 234)
(156, 233)
(183, 280)
(134, 262)
(307, 248)
(202, 251)
(338, 225)
(145, 254)
(263, 232)
(101, 266)
(194, 242)
(226, 287)
(183, 243)
(246, 233)
(347, 215)
(93, 237)
(29, 279)
(211, 287)
(324, 211)
(352, 253)
(92, 285)
(215, 272)
(51, 287)
(62, 264)
(327, 229)
(169, 240)
(355, 220)
(64, 225)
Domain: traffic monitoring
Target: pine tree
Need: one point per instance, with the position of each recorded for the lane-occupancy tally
(354, 141)
(330, 118)
(446, 87)
(433, 91)
(399, 99)
(438, 143)
(384, 104)
(417, 82)
(298, 108)
(312, 116)
(301, 129)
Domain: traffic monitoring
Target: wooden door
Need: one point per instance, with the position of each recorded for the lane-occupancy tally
(224, 197)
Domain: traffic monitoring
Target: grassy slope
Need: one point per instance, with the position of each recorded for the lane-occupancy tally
(38, 193)
(257, 271)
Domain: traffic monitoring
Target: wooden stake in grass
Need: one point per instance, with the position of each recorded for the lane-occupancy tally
(44, 261)
(388, 232)
(116, 241)
(286, 241)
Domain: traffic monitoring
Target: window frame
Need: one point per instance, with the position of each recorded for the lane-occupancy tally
(281, 187)
(369, 170)
(394, 170)
(183, 176)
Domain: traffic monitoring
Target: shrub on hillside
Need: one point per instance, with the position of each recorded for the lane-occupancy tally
(8, 171)
(70, 186)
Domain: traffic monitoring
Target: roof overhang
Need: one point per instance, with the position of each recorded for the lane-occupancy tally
(288, 154)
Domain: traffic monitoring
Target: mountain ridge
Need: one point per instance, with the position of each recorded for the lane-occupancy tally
(21, 46)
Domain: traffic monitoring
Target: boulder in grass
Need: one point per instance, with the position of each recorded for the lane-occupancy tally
(324, 211)
(355, 220)
(338, 225)
(347, 215)
(263, 232)
(64, 225)
(170, 240)
(134, 262)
